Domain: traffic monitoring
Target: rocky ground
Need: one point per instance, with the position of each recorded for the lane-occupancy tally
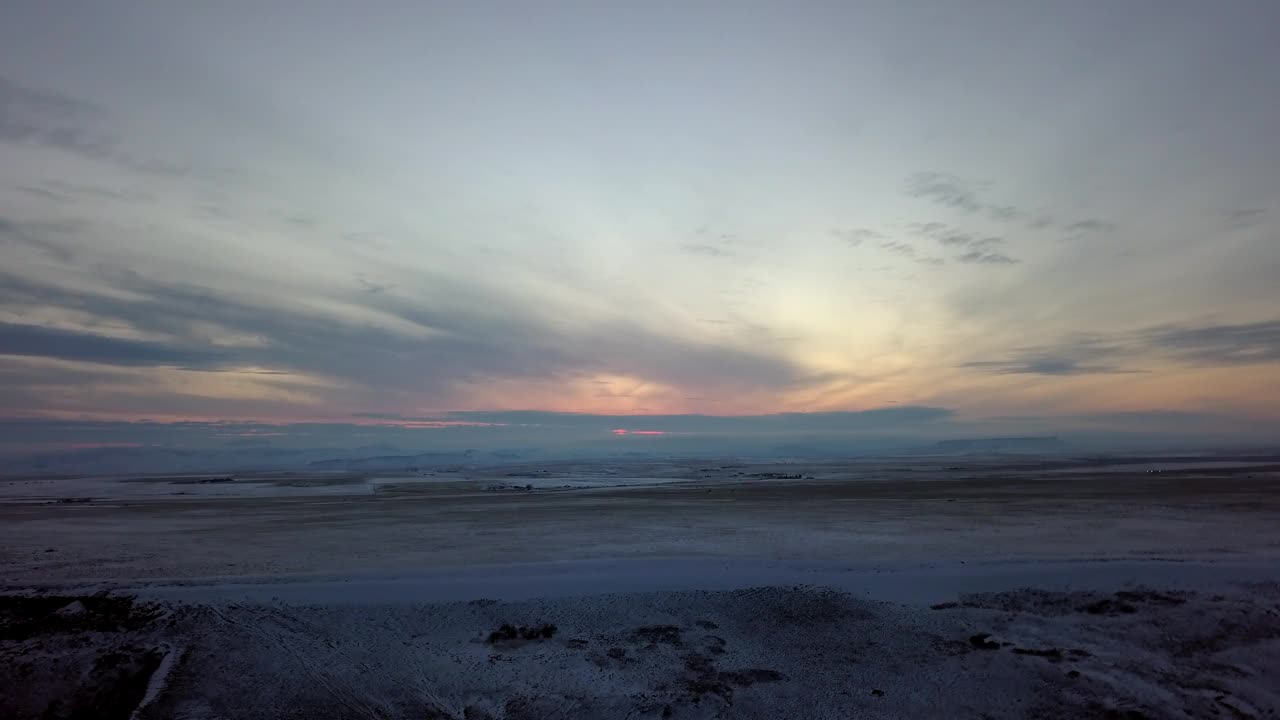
(755, 653)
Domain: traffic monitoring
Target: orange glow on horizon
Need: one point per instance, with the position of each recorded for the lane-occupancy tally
(620, 432)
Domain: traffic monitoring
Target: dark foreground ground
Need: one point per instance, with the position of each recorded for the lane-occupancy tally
(1000, 589)
(754, 653)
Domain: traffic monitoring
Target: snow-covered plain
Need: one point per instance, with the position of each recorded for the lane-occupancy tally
(914, 588)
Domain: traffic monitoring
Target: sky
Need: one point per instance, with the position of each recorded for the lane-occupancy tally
(1007, 215)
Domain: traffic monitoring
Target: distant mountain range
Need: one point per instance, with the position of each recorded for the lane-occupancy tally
(996, 445)
(239, 457)
(395, 462)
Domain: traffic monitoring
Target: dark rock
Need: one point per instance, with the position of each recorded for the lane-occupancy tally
(715, 644)
(1053, 654)
(658, 635)
(1109, 607)
(25, 617)
(700, 664)
(1150, 597)
(505, 632)
(981, 642)
(510, 632)
(749, 677)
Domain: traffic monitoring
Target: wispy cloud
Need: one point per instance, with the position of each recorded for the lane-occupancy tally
(36, 235)
(898, 247)
(907, 250)
(968, 196)
(45, 118)
(946, 189)
(986, 257)
(30, 116)
(978, 249)
(1242, 218)
(1195, 345)
(37, 341)
(1091, 225)
(371, 287)
(953, 237)
(853, 237)
(1087, 227)
(1243, 344)
(69, 192)
(964, 195)
(1040, 364)
(464, 342)
(42, 193)
(969, 241)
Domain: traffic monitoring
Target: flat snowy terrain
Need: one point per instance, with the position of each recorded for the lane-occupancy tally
(914, 588)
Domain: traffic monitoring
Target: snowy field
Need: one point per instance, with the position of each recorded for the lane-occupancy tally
(1001, 588)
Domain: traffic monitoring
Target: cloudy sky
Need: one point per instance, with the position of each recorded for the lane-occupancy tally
(331, 211)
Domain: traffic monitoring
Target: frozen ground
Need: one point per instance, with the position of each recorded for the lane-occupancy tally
(921, 588)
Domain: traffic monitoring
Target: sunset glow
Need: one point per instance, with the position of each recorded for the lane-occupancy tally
(638, 432)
